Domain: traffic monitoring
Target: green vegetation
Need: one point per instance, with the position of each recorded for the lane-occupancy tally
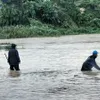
(34, 18)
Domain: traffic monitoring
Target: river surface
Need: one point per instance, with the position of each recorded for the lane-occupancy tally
(50, 69)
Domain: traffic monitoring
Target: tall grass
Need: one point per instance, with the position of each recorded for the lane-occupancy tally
(35, 29)
(38, 29)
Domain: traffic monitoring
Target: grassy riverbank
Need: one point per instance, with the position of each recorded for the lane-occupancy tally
(38, 29)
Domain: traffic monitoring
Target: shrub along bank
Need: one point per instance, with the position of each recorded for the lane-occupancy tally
(33, 18)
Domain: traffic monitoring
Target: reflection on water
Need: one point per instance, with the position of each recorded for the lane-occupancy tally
(50, 69)
(14, 73)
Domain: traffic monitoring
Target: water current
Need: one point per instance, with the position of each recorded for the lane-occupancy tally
(50, 69)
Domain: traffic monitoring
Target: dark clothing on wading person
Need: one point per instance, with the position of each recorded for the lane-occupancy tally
(13, 58)
(90, 63)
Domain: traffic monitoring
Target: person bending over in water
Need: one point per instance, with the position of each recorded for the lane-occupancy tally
(13, 58)
(90, 62)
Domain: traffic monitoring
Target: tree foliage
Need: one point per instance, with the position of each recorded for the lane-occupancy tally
(64, 13)
(10, 15)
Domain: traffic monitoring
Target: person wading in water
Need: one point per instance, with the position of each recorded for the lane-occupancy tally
(90, 62)
(13, 58)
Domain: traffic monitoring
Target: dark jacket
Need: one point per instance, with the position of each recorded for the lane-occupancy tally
(13, 57)
(89, 64)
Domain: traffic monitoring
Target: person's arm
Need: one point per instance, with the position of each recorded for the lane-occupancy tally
(18, 58)
(96, 66)
(8, 57)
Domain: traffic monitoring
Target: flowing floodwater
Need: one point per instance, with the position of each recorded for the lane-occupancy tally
(50, 69)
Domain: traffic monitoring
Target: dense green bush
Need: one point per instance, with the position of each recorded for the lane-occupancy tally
(84, 19)
(50, 13)
(45, 11)
(29, 9)
(70, 11)
(95, 22)
(10, 15)
(92, 12)
(36, 28)
(26, 18)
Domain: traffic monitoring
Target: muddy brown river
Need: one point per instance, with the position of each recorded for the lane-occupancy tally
(50, 69)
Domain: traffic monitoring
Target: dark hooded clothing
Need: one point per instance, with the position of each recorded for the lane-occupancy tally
(13, 59)
(89, 64)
